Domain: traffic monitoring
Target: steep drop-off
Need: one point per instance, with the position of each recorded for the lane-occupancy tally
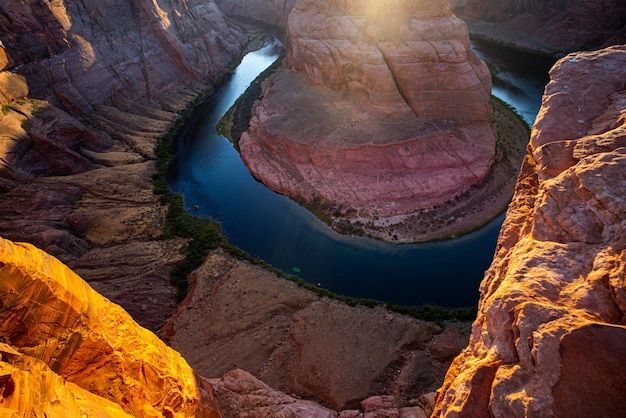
(550, 335)
(552, 27)
(382, 110)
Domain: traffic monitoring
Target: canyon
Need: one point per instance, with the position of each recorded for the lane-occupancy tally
(87, 90)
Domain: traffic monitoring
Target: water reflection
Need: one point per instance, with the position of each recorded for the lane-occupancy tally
(209, 173)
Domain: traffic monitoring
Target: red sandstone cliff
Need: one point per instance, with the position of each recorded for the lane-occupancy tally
(550, 336)
(549, 26)
(382, 110)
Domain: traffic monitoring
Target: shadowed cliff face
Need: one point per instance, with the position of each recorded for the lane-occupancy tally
(550, 26)
(87, 90)
(83, 54)
(550, 334)
(274, 12)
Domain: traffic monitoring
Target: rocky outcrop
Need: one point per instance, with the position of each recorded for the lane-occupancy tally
(274, 12)
(301, 344)
(69, 351)
(551, 27)
(550, 334)
(87, 89)
(84, 54)
(382, 110)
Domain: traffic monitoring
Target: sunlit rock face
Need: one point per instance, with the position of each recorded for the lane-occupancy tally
(551, 26)
(382, 108)
(550, 335)
(67, 351)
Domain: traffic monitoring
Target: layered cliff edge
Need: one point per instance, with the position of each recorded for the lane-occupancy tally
(87, 89)
(550, 334)
(554, 28)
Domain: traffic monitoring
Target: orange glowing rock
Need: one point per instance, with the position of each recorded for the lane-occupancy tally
(79, 342)
(549, 339)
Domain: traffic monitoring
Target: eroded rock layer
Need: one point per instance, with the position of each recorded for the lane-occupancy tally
(90, 355)
(550, 334)
(87, 89)
(382, 110)
(550, 26)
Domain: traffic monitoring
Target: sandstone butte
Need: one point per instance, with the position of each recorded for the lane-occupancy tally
(382, 110)
(552, 27)
(550, 337)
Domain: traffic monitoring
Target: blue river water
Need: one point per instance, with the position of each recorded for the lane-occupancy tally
(211, 177)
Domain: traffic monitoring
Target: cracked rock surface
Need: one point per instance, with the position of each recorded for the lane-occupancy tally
(550, 333)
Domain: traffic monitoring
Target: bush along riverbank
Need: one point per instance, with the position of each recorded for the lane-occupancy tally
(203, 236)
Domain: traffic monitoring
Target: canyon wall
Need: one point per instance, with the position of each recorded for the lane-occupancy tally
(549, 26)
(87, 89)
(550, 336)
(274, 12)
(382, 110)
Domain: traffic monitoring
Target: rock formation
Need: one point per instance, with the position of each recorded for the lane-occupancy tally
(86, 90)
(382, 110)
(274, 12)
(550, 335)
(94, 358)
(300, 343)
(548, 26)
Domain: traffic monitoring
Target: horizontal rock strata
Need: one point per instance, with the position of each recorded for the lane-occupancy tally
(381, 111)
(87, 89)
(550, 334)
(551, 27)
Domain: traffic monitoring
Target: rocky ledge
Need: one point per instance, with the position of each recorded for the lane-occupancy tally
(380, 112)
(550, 335)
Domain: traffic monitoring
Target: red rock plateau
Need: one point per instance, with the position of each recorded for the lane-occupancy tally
(553, 27)
(550, 337)
(382, 110)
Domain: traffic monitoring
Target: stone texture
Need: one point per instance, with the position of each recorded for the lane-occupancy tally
(274, 12)
(550, 332)
(88, 90)
(61, 331)
(381, 111)
(242, 395)
(302, 344)
(553, 27)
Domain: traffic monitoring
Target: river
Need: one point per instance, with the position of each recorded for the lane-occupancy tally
(215, 183)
